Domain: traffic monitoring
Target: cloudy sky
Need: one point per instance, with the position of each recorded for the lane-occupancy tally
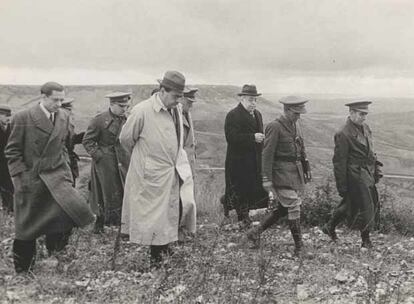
(361, 47)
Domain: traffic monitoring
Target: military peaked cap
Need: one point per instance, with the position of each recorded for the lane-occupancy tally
(361, 106)
(294, 103)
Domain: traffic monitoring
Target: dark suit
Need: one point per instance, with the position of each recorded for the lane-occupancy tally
(45, 202)
(6, 185)
(243, 161)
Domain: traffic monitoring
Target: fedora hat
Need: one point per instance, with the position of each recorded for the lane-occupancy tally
(249, 90)
(173, 80)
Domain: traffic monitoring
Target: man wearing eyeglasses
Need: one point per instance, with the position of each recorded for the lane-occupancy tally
(109, 161)
(244, 134)
(45, 201)
(284, 170)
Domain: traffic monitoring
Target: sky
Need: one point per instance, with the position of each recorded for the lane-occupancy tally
(354, 47)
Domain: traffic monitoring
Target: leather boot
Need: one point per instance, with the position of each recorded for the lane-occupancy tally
(366, 242)
(253, 234)
(295, 229)
(99, 225)
(329, 228)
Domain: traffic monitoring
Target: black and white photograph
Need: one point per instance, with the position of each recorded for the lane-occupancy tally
(207, 151)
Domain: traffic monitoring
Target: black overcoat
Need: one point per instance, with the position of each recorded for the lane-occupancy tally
(354, 167)
(244, 158)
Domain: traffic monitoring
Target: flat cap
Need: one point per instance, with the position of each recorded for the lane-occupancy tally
(5, 109)
(189, 93)
(294, 103)
(361, 106)
(119, 97)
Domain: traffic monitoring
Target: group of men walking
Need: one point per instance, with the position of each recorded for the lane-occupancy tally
(143, 167)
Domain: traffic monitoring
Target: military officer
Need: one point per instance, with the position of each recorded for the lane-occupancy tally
(109, 161)
(6, 185)
(356, 170)
(189, 138)
(284, 170)
(72, 140)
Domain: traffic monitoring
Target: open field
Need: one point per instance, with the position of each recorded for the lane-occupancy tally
(217, 267)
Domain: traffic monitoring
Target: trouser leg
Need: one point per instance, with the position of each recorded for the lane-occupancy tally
(24, 253)
(366, 241)
(157, 252)
(99, 224)
(57, 241)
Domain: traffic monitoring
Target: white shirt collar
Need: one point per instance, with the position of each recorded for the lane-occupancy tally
(47, 113)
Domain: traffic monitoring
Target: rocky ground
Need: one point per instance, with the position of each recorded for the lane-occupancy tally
(215, 267)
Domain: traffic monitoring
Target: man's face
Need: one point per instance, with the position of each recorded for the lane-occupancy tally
(119, 108)
(357, 117)
(4, 119)
(292, 116)
(187, 104)
(53, 102)
(169, 99)
(249, 102)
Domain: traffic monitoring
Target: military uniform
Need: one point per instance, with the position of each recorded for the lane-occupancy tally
(356, 170)
(283, 170)
(109, 164)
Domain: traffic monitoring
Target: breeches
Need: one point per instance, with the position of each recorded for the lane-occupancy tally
(290, 199)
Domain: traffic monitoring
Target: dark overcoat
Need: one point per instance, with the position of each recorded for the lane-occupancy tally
(110, 163)
(283, 154)
(5, 179)
(72, 140)
(243, 158)
(45, 201)
(354, 164)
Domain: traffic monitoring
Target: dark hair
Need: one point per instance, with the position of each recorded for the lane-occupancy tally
(49, 87)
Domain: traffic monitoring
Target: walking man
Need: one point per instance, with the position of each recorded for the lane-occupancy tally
(6, 185)
(244, 134)
(110, 161)
(72, 140)
(356, 170)
(285, 170)
(159, 190)
(45, 201)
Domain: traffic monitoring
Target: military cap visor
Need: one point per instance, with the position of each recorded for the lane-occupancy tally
(67, 101)
(119, 97)
(360, 106)
(189, 94)
(295, 104)
(6, 110)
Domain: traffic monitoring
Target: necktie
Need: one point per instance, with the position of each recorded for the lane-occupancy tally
(172, 113)
(51, 117)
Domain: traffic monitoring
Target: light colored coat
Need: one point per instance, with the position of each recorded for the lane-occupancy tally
(150, 213)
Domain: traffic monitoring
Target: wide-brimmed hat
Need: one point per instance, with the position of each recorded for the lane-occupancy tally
(295, 104)
(189, 93)
(173, 80)
(360, 106)
(119, 97)
(5, 109)
(249, 90)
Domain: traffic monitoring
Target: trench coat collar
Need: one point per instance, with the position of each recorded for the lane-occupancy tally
(157, 104)
(40, 120)
(360, 135)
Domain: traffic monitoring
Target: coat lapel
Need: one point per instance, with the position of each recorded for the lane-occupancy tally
(40, 120)
(60, 123)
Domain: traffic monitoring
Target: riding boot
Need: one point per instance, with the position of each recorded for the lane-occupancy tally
(366, 242)
(295, 229)
(253, 234)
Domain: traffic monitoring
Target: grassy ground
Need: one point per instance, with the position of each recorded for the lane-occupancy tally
(214, 268)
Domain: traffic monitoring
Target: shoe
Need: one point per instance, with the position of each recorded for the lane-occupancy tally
(329, 230)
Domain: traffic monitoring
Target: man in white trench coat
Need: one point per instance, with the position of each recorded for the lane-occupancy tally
(159, 192)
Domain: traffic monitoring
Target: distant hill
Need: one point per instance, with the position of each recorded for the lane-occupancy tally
(391, 121)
